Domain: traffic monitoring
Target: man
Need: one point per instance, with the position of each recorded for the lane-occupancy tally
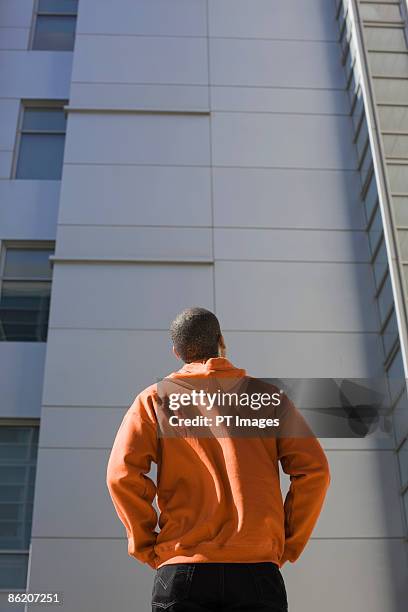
(224, 529)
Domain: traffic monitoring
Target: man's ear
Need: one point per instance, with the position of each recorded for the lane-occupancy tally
(175, 353)
(221, 346)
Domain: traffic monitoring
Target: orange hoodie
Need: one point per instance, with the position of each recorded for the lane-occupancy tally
(219, 498)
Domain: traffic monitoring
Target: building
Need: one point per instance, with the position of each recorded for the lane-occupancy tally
(249, 156)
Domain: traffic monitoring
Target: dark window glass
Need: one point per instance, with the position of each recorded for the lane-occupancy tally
(41, 156)
(55, 25)
(25, 297)
(18, 458)
(44, 119)
(13, 571)
(41, 151)
(54, 33)
(58, 6)
(23, 263)
(24, 311)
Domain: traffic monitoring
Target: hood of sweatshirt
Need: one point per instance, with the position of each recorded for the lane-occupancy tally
(214, 373)
(220, 367)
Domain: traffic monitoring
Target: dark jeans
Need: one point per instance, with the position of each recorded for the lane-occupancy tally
(230, 587)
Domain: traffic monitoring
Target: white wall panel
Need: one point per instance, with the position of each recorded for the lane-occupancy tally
(291, 245)
(290, 19)
(381, 12)
(44, 75)
(280, 100)
(135, 195)
(266, 140)
(351, 575)
(140, 97)
(394, 91)
(99, 424)
(389, 64)
(147, 17)
(14, 38)
(393, 118)
(363, 499)
(261, 63)
(139, 296)
(103, 367)
(113, 580)
(287, 198)
(138, 139)
(21, 378)
(29, 209)
(16, 13)
(146, 243)
(387, 39)
(6, 158)
(134, 59)
(306, 355)
(295, 296)
(59, 517)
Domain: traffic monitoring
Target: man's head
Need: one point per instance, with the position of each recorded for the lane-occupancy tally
(196, 335)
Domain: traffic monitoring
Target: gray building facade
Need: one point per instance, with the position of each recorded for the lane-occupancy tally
(248, 156)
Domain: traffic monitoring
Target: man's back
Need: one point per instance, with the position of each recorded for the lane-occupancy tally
(218, 493)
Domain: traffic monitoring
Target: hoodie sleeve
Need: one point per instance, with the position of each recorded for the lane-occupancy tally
(303, 458)
(131, 491)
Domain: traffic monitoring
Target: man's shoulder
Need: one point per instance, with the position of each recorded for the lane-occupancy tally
(143, 405)
(148, 392)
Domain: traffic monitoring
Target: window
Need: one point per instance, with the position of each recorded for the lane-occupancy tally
(25, 288)
(18, 458)
(403, 462)
(41, 143)
(55, 23)
(405, 502)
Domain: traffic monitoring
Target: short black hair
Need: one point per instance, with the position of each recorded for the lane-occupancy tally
(196, 333)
